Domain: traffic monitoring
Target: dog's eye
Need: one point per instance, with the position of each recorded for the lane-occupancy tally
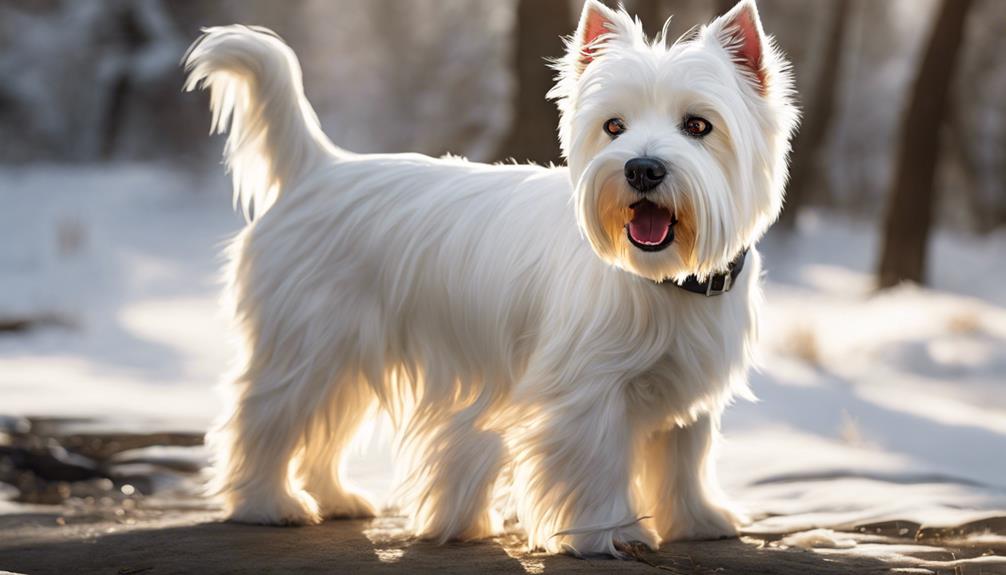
(697, 127)
(614, 127)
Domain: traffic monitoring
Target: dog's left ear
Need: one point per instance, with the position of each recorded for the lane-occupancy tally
(740, 34)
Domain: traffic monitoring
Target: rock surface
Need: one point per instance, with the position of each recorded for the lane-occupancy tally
(196, 543)
(131, 503)
(166, 536)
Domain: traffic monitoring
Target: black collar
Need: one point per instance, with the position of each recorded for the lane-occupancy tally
(716, 284)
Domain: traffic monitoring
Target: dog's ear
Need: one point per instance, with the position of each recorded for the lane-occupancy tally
(598, 25)
(739, 33)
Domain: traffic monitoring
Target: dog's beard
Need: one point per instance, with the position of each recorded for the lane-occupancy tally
(605, 209)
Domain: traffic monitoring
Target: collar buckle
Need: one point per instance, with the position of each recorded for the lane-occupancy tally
(725, 281)
(715, 284)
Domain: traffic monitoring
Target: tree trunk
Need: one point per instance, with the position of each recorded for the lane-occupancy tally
(540, 26)
(724, 6)
(811, 140)
(653, 14)
(910, 205)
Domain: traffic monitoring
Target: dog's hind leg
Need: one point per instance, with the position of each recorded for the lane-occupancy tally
(457, 469)
(330, 432)
(287, 380)
(254, 447)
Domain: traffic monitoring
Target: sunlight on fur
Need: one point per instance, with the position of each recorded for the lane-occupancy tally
(521, 326)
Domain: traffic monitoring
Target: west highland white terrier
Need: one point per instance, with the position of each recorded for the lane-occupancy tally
(571, 334)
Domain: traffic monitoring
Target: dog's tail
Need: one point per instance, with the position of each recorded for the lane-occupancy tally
(257, 95)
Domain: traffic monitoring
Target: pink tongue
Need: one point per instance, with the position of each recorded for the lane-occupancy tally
(650, 223)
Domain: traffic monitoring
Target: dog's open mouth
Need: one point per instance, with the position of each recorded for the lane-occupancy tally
(652, 227)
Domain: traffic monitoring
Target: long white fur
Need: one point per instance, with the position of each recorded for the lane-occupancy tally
(484, 308)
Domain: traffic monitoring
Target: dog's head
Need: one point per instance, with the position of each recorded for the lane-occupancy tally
(678, 154)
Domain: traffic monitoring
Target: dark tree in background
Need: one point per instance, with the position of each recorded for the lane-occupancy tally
(724, 6)
(653, 13)
(541, 24)
(910, 206)
(687, 14)
(818, 112)
(976, 133)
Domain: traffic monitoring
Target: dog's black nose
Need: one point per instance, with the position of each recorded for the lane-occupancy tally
(644, 174)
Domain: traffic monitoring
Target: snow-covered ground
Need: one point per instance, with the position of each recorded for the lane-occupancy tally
(872, 407)
(123, 263)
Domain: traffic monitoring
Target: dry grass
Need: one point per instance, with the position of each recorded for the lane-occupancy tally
(849, 430)
(801, 342)
(71, 237)
(964, 323)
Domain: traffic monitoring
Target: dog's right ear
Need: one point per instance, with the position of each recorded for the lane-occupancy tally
(598, 26)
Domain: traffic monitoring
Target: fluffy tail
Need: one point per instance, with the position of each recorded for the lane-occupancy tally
(257, 95)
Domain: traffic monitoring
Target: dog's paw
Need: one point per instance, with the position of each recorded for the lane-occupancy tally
(277, 509)
(703, 522)
(633, 550)
(345, 505)
(624, 542)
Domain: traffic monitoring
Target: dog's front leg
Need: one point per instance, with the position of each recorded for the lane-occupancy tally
(679, 483)
(573, 474)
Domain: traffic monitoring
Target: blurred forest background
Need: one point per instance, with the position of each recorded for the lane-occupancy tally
(904, 100)
(875, 405)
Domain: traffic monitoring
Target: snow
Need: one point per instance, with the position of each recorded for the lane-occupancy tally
(872, 407)
(908, 554)
(134, 286)
(818, 538)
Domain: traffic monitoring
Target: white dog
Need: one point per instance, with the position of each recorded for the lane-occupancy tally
(556, 327)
